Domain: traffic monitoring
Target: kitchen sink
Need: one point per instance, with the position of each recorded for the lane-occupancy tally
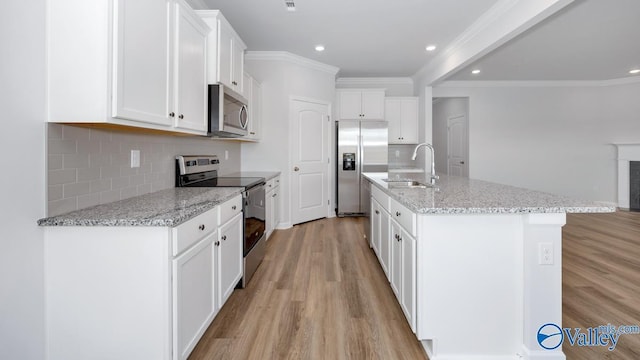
(405, 184)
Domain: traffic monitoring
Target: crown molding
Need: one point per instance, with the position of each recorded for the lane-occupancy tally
(374, 81)
(197, 4)
(290, 58)
(543, 83)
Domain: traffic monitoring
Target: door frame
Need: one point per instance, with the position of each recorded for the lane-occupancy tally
(330, 153)
(466, 113)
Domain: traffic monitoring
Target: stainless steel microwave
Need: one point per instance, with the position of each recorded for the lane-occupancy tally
(228, 115)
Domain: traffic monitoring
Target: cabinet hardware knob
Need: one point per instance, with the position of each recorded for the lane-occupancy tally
(296, 168)
(461, 162)
(377, 212)
(399, 238)
(180, 116)
(172, 114)
(224, 237)
(274, 195)
(201, 227)
(398, 213)
(217, 243)
(233, 207)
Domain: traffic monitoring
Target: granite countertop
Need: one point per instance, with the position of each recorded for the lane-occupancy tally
(459, 195)
(170, 207)
(267, 175)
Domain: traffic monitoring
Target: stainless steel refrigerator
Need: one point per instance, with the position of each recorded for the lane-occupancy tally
(361, 147)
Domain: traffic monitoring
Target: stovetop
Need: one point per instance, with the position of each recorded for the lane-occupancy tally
(202, 171)
(221, 181)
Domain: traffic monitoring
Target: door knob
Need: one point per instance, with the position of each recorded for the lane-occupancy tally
(296, 168)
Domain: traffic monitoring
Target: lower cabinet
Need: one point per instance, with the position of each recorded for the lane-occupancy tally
(140, 292)
(194, 303)
(273, 205)
(395, 248)
(228, 254)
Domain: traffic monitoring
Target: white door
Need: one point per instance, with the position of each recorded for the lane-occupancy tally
(310, 160)
(457, 154)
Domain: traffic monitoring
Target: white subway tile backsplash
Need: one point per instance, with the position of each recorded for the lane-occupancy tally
(88, 200)
(54, 192)
(75, 189)
(58, 177)
(54, 162)
(61, 146)
(75, 161)
(87, 166)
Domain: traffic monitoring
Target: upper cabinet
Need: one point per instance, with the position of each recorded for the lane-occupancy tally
(365, 104)
(402, 115)
(226, 52)
(134, 63)
(253, 93)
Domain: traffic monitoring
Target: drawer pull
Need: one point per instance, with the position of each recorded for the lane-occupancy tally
(217, 243)
(377, 212)
(398, 213)
(233, 207)
(201, 227)
(224, 237)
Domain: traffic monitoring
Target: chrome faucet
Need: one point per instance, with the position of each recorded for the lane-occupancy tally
(434, 177)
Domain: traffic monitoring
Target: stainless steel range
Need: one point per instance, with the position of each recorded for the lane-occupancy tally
(202, 171)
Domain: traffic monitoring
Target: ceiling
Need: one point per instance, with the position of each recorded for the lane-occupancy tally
(587, 40)
(364, 38)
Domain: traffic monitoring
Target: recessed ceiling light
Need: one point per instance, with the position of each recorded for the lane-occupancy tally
(431, 47)
(319, 47)
(634, 71)
(475, 72)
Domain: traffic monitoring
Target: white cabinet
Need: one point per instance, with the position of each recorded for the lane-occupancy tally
(367, 104)
(228, 254)
(402, 115)
(375, 227)
(141, 84)
(253, 93)
(273, 205)
(225, 63)
(385, 243)
(190, 86)
(113, 62)
(194, 303)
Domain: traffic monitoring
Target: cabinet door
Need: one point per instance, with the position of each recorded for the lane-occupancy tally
(385, 243)
(193, 296)
(255, 124)
(409, 120)
(237, 64)
(396, 259)
(270, 207)
(375, 227)
(225, 54)
(190, 81)
(276, 204)
(373, 104)
(408, 288)
(350, 104)
(141, 61)
(229, 257)
(392, 114)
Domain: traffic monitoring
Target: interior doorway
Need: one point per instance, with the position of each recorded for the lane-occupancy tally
(451, 135)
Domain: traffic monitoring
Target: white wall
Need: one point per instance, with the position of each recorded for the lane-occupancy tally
(282, 79)
(22, 144)
(549, 138)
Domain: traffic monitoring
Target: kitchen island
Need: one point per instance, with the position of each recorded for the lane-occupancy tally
(476, 266)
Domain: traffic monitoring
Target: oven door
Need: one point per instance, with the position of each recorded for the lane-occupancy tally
(254, 216)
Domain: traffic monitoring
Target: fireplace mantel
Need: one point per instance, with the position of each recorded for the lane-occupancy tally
(626, 153)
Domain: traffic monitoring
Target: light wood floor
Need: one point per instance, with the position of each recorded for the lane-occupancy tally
(601, 279)
(320, 294)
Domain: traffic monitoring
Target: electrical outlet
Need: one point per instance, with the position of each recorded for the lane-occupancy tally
(135, 158)
(397, 153)
(545, 253)
(226, 154)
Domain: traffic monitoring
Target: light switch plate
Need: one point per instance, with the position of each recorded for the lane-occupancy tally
(135, 158)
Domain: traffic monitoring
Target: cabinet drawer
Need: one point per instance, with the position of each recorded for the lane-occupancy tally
(190, 232)
(272, 184)
(230, 208)
(403, 216)
(380, 197)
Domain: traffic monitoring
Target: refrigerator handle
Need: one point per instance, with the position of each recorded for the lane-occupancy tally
(359, 157)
